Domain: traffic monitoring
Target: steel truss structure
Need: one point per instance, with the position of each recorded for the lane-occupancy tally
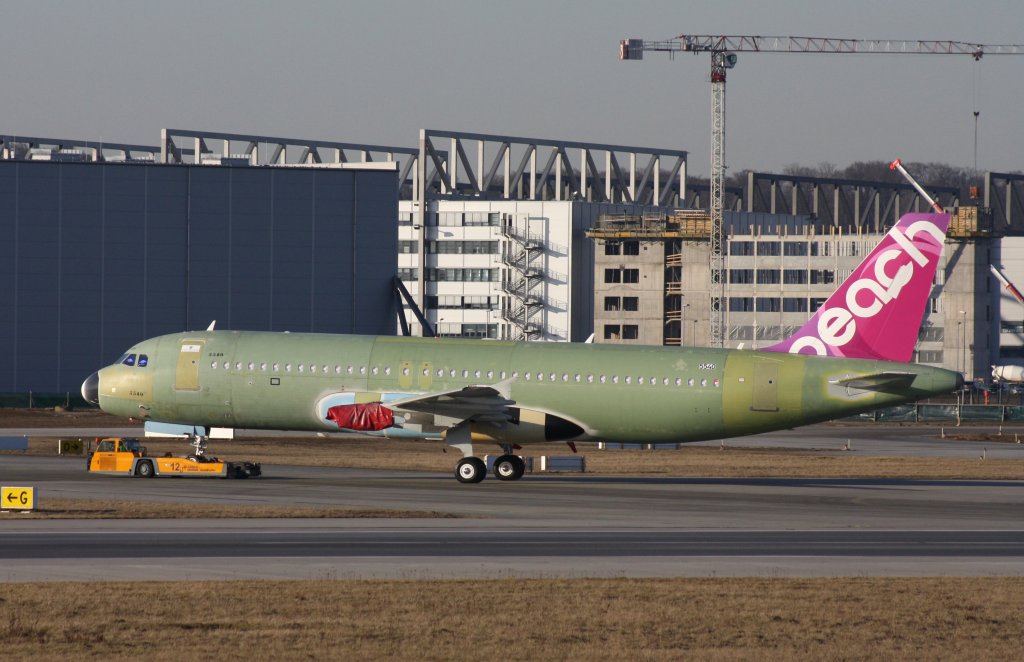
(516, 168)
(1004, 195)
(840, 202)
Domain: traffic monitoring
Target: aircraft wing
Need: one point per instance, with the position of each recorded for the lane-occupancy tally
(478, 402)
(879, 381)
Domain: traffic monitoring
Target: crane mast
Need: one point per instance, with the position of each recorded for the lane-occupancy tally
(723, 51)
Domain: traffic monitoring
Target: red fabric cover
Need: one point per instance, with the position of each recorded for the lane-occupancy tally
(373, 416)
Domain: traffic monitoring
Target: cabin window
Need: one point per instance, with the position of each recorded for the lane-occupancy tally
(565, 377)
(490, 374)
(476, 374)
(526, 375)
(362, 370)
(405, 371)
(590, 379)
(337, 369)
(251, 365)
(451, 373)
(552, 377)
(629, 380)
(578, 378)
(213, 364)
(287, 367)
(263, 366)
(301, 367)
(540, 376)
(689, 382)
(502, 374)
(679, 382)
(387, 370)
(277, 366)
(440, 372)
(639, 380)
(374, 370)
(350, 370)
(312, 367)
(238, 365)
(717, 383)
(465, 374)
(326, 369)
(227, 365)
(664, 382)
(703, 383)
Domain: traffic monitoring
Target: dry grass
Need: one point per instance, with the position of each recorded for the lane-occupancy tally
(613, 619)
(99, 509)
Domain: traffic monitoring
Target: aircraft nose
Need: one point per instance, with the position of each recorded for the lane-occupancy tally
(91, 389)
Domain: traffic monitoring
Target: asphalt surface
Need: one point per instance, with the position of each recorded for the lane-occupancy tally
(541, 526)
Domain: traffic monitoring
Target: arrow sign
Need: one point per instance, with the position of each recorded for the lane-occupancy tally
(21, 498)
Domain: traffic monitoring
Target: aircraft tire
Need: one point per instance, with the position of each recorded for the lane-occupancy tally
(509, 467)
(470, 470)
(144, 469)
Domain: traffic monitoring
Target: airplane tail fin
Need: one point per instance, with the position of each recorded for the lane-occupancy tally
(877, 311)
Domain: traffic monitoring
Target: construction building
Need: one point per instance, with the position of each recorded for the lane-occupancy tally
(651, 275)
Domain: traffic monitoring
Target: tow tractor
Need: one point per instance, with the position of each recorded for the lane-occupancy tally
(125, 456)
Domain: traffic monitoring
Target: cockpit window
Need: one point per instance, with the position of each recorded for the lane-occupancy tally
(143, 360)
(129, 360)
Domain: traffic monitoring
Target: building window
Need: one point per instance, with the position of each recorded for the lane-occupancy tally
(630, 275)
(770, 248)
(926, 356)
(768, 304)
(631, 303)
(741, 248)
(612, 331)
(408, 273)
(612, 248)
(612, 304)
(794, 305)
(741, 304)
(768, 277)
(613, 275)
(794, 276)
(630, 332)
(822, 276)
(741, 276)
(407, 246)
(631, 248)
(816, 303)
(794, 248)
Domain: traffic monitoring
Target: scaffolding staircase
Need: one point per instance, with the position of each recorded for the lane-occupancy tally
(523, 282)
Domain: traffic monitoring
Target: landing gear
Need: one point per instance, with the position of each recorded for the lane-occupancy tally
(470, 470)
(509, 467)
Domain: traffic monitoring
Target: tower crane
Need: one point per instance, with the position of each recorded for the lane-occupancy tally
(723, 51)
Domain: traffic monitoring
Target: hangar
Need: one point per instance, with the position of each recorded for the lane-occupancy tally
(96, 255)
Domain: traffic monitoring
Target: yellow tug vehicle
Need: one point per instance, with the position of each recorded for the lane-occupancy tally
(125, 456)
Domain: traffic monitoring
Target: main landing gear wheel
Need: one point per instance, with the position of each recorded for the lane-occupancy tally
(509, 467)
(470, 470)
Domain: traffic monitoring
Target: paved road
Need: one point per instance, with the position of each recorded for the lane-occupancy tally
(541, 526)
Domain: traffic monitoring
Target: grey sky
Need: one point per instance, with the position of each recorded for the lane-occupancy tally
(377, 72)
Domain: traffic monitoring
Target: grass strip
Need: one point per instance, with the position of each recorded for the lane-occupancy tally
(594, 619)
(108, 509)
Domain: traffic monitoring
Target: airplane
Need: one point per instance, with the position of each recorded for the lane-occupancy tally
(847, 359)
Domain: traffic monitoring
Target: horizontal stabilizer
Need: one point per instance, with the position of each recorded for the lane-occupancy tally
(886, 382)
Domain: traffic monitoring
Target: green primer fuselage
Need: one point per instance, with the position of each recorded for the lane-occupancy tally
(261, 380)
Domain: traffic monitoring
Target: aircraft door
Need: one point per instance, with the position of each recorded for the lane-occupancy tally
(765, 396)
(186, 374)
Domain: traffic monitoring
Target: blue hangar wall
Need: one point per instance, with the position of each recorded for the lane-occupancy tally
(97, 256)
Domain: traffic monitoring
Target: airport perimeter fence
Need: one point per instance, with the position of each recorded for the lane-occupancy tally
(32, 400)
(938, 413)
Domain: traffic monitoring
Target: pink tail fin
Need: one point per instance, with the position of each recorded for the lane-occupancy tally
(876, 313)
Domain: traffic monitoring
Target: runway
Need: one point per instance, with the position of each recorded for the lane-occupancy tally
(542, 526)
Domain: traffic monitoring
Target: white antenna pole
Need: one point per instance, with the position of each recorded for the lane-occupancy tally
(897, 165)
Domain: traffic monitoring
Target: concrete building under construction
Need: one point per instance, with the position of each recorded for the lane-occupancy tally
(652, 273)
